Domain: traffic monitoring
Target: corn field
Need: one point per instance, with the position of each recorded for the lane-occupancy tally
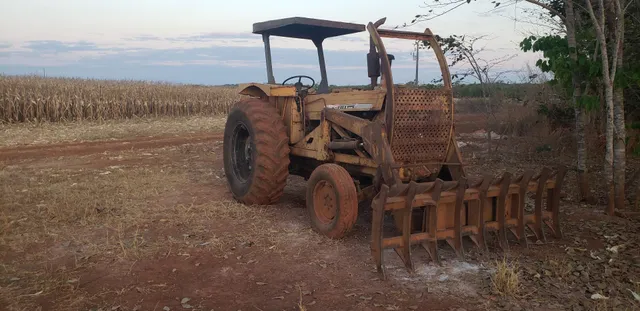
(39, 99)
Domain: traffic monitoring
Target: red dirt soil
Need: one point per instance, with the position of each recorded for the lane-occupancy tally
(246, 278)
(331, 276)
(85, 148)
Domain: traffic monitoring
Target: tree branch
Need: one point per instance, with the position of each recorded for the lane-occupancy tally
(619, 34)
(627, 6)
(602, 17)
(595, 21)
(549, 8)
(553, 25)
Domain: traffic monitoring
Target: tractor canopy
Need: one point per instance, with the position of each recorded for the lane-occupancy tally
(316, 30)
(306, 28)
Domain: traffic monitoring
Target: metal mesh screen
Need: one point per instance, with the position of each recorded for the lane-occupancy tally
(421, 126)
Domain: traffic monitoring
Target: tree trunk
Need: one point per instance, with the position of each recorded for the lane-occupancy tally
(487, 105)
(581, 152)
(599, 26)
(608, 157)
(619, 160)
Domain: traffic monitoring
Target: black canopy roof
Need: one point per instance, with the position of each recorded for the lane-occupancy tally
(306, 28)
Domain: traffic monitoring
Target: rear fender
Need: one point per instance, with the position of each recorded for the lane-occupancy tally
(267, 90)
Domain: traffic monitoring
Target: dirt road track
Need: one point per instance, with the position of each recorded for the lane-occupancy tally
(91, 147)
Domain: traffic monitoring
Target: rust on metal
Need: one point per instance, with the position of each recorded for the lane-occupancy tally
(375, 143)
(422, 126)
(355, 160)
(377, 220)
(398, 34)
(324, 197)
(349, 145)
(442, 61)
(387, 77)
(345, 120)
(458, 209)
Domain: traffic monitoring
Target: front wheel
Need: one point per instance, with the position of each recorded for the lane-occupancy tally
(332, 200)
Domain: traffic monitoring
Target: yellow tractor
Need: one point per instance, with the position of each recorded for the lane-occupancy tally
(392, 145)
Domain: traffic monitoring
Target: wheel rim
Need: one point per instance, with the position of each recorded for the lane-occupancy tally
(241, 158)
(324, 202)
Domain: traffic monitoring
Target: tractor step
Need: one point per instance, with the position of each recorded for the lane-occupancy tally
(455, 209)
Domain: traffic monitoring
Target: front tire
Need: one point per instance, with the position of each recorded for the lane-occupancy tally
(256, 152)
(332, 200)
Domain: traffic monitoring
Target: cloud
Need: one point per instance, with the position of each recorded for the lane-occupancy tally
(53, 46)
(144, 38)
(209, 58)
(214, 36)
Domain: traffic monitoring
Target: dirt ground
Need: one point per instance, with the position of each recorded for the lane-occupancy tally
(146, 223)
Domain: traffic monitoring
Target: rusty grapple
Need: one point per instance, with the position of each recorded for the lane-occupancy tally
(452, 210)
(392, 144)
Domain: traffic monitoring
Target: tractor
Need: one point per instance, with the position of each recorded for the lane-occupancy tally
(388, 144)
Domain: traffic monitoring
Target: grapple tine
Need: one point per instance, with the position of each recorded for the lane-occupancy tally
(553, 203)
(483, 189)
(536, 226)
(501, 210)
(430, 222)
(377, 206)
(520, 230)
(404, 251)
(456, 241)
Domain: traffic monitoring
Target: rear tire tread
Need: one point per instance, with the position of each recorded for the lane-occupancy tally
(272, 152)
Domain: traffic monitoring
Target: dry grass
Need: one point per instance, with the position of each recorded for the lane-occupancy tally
(47, 133)
(301, 306)
(561, 267)
(37, 99)
(58, 223)
(506, 279)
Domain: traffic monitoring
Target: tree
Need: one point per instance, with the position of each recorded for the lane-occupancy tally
(608, 29)
(578, 72)
(416, 56)
(615, 148)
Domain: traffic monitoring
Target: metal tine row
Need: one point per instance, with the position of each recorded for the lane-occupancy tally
(403, 248)
(474, 213)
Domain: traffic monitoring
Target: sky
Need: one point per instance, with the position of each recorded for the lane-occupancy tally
(210, 42)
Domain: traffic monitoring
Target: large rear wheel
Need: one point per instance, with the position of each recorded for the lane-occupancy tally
(256, 152)
(332, 200)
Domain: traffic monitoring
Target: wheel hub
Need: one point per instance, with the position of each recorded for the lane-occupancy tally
(324, 201)
(242, 152)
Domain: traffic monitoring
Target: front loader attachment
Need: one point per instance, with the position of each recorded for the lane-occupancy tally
(442, 203)
(462, 207)
(452, 210)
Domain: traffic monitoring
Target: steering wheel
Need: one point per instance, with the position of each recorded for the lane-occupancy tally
(299, 83)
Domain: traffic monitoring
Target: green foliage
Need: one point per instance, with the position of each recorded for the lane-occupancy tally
(557, 115)
(557, 60)
(589, 102)
(556, 52)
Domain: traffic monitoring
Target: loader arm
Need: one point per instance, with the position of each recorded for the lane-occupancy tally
(387, 77)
